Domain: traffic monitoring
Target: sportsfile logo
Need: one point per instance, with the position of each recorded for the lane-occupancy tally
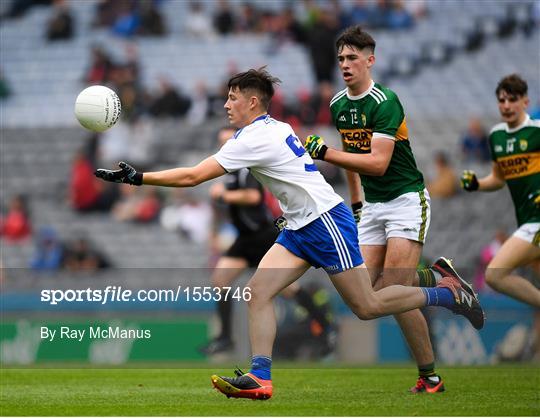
(121, 294)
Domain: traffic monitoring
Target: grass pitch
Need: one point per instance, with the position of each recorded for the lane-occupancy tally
(484, 391)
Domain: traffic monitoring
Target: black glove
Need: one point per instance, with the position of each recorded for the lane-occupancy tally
(357, 211)
(126, 174)
(469, 181)
(316, 147)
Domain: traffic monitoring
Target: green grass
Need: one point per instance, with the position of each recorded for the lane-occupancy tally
(484, 391)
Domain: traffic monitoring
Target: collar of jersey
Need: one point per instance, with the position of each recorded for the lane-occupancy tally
(262, 117)
(361, 95)
(517, 128)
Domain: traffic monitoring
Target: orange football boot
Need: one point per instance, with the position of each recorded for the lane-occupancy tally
(244, 385)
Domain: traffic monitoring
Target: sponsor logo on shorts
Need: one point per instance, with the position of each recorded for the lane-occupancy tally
(331, 268)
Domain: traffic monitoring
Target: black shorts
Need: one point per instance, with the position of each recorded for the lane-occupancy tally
(252, 247)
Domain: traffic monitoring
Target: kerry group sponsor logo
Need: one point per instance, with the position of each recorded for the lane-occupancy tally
(519, 165)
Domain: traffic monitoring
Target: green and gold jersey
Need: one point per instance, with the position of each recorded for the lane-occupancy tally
(517, 152)
(374, 115)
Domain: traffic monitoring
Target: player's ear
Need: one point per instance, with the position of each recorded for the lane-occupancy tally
(370, 60)
(253, 102)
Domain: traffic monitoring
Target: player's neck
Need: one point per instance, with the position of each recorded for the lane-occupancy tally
(361, 88)
(258, 116)
(519, 121)
(251, 118)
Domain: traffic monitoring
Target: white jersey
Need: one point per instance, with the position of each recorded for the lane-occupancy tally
(277, 159)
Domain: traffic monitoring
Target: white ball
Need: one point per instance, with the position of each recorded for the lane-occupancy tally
(97, 108)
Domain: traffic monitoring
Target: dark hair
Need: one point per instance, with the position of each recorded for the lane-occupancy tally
(512, 84)
(260, 81)
(356, 37)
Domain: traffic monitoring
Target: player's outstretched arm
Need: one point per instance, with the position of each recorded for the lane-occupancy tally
(177, 177)
(493, 181)
(374, 163)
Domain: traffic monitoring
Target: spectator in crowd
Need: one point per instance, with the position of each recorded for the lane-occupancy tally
(60, 26)
(224, 20)
(131, 65)
(445, 183)
(200, 109)
(152, 23)
(360, 13)
(16, 225)
(474, 143)
(398, 17)
(320, 43)
(187, 215)
(49, 251)
(81, 255)
(277, 106)
(100, 67)
(249, 19)
(486, 255)
(132, 99)
(379, 14)
(135, 205)
(85, 193)
(417, 8)
(19, 7)
(106, 13)
(283, 27)
(321, 103)
(128, 21)
(5, 90)
(114, 144)
(303, 109)
(169, 101)
(197, 22)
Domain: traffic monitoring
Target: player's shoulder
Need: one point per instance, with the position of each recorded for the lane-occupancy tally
(265, 125)
(338, 97)
(383, 94)
(535, 123)
(262, 133)
(498, 128)
(503, 127)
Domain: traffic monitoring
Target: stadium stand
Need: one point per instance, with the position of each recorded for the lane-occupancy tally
(40, 135)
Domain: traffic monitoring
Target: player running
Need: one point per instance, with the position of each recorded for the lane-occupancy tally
(394, 221)
(320, 230)
(243, 196)
(515, 151)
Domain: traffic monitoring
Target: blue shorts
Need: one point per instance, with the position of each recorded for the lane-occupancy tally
(330, 241)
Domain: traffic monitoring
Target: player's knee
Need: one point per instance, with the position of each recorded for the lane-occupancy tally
(367, 311)
(259, 296)
(493, 278)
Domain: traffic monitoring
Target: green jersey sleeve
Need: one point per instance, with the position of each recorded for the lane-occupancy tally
(388, 117)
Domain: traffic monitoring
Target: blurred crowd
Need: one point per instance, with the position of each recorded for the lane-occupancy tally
(310, 23)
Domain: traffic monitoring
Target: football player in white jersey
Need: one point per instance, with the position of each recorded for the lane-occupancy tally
(320, 230)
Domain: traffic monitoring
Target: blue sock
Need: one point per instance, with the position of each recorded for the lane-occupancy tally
(260, 367)
(439, 296)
